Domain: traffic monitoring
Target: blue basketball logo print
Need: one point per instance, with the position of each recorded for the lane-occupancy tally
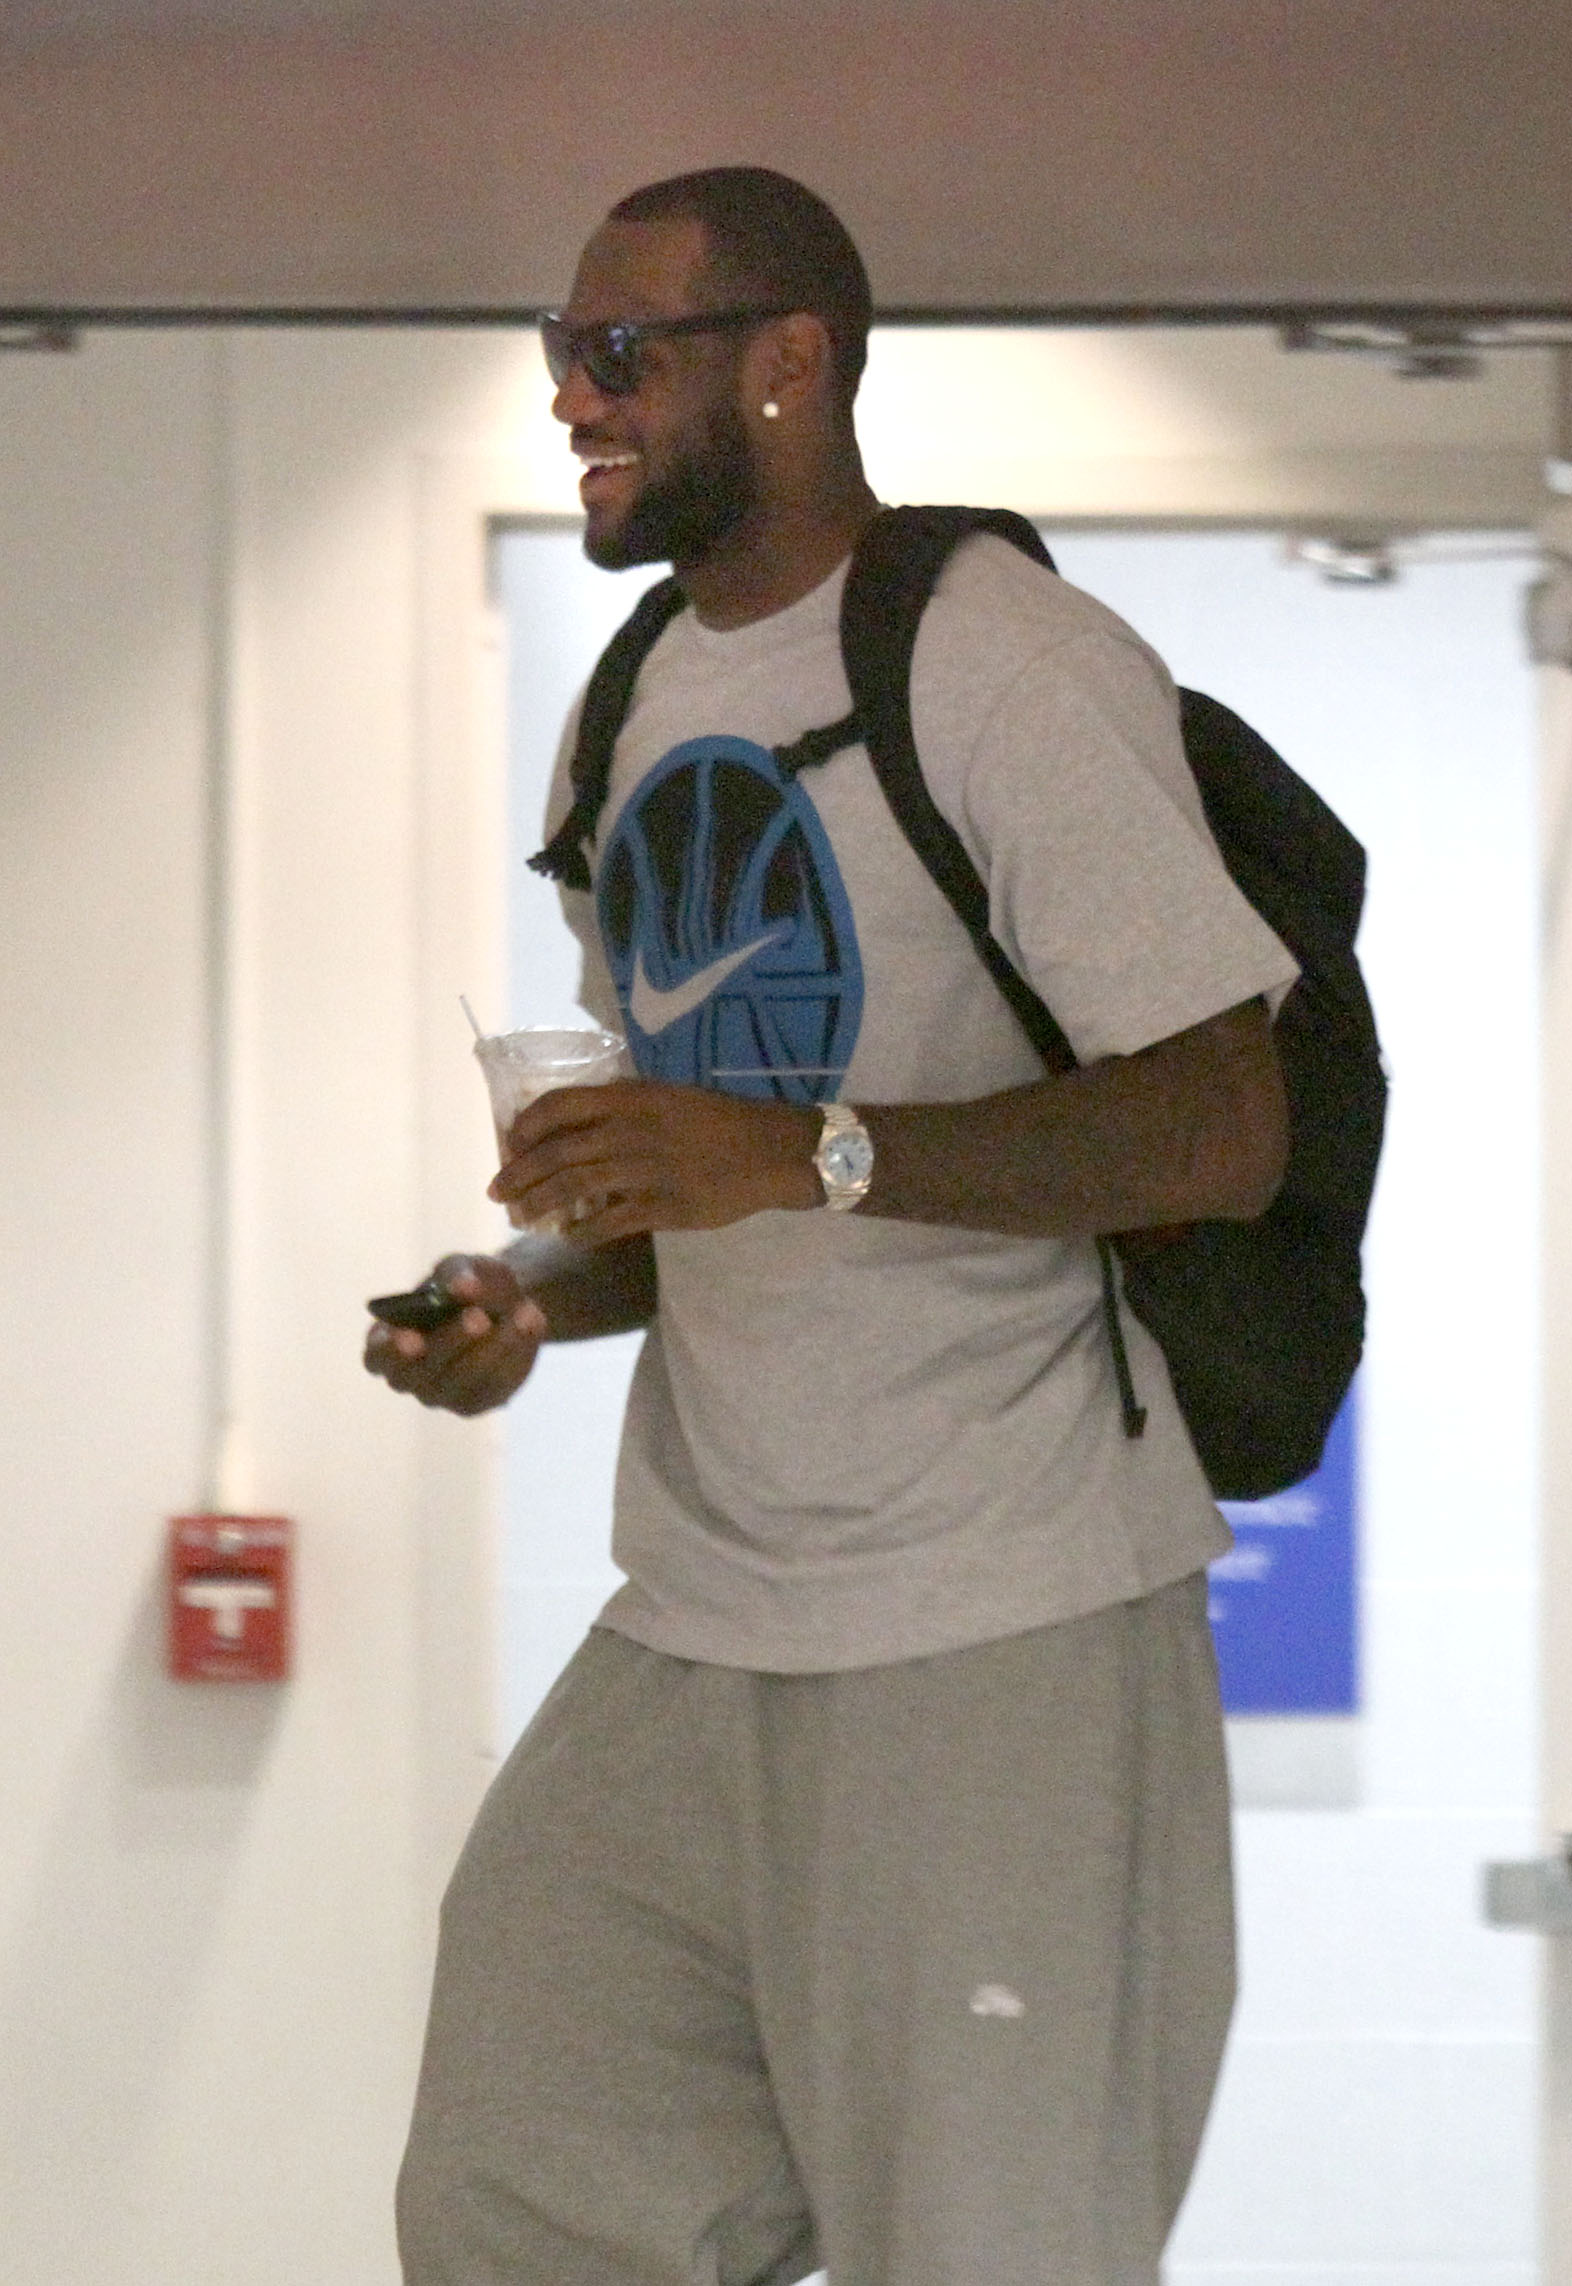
(728, 929)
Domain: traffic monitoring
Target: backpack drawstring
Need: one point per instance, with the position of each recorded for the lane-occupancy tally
(1133, 1411)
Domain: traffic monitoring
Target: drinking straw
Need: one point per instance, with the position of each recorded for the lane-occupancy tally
(470, 1013)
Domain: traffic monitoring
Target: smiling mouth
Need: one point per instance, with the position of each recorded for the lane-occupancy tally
(603, 472)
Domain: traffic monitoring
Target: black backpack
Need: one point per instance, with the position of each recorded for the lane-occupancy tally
(1261, 1323)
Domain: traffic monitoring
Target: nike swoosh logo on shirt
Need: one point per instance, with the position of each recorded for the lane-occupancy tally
(653, 1010)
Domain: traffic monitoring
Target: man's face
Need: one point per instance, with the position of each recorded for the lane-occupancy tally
(668, 470)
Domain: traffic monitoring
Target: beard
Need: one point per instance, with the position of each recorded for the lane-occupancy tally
(679, 517)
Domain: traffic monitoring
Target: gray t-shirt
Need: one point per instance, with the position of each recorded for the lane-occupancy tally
(852, 1440)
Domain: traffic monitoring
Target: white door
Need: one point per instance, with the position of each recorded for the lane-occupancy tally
(562, 1428)
(1377, 2116)
(1556, 827)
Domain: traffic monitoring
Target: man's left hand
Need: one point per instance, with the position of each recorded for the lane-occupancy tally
(642, 1155)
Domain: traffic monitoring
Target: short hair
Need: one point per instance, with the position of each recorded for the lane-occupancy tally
(771, 239)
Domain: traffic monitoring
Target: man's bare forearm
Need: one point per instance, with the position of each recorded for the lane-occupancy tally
(1194, 1129)
(585, 1292)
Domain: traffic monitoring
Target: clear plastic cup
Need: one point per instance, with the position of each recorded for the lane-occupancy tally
(520, 1066)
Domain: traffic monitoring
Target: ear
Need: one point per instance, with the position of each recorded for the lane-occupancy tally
(791, 365)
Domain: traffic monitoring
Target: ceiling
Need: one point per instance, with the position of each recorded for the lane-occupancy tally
(1060, 158)
(42, 21)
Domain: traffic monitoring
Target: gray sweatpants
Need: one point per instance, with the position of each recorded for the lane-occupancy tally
(920, 1972)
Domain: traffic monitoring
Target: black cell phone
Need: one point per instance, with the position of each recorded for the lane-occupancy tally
(422, 1309)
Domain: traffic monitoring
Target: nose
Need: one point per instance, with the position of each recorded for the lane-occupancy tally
(578, 401)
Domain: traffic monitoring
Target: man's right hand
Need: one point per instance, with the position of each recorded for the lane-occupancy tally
(477, 1360)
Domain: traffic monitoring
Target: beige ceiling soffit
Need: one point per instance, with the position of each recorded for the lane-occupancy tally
(1042, 157)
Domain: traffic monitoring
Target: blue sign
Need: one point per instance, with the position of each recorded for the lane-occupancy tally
(1283, 1601)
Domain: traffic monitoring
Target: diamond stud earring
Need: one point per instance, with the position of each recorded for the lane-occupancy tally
(772, 411)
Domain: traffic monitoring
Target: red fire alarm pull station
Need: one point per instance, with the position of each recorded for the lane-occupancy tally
(229, 1598)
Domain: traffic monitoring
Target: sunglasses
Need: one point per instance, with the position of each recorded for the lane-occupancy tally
(612, 354)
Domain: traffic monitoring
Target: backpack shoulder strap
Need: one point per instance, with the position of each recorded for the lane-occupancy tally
(893, 573)
(606, 701)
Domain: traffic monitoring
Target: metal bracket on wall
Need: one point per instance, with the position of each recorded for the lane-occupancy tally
(45, 337)
(1558, 467)
(1439, 347)
(1531, 1893)
(1547, 611)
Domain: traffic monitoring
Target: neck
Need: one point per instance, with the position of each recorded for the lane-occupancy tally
(780, 552)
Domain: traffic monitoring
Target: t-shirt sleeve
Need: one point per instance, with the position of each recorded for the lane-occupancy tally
(1105, 886)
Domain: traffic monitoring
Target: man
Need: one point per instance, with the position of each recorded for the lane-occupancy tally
(860, 1895)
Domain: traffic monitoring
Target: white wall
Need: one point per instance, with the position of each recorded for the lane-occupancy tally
(123, 1823)
(257, 567)
(216, 1904)
(563, 1427)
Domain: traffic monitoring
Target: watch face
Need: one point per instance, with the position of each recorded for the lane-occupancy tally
(847, 1159)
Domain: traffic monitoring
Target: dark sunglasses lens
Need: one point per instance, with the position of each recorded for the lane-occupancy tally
(556, 340)
(609, 354)
(613, 359)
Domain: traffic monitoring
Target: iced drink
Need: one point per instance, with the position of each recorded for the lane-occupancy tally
(519, 1066)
